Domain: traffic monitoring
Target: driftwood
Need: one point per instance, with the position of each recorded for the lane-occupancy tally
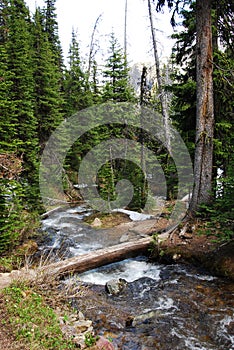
(99, 257)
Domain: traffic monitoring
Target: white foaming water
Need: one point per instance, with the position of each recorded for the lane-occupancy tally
(85, 248)
(190, 343)
(224, 323)
(166, 304)
(58, 219)
(129, 269)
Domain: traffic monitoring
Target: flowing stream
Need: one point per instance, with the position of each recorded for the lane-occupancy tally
(161, 307)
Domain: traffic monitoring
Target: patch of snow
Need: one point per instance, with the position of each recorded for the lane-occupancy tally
(134, 215)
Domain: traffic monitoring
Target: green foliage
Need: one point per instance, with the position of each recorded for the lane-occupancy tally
(184, 100)
(76, 89)
(33, 321)
(90, 340)
(51, 29)
(17, 223)
(47, 79)
(116, 74)
(11, 208)
(220, 215)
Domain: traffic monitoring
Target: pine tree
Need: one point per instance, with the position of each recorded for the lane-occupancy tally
(76, 89)
(19, 55)
(51, 28)
(47, 78)
(116, 74)
(77, 96)
(7, 127)
(18, 124)
(184, 104)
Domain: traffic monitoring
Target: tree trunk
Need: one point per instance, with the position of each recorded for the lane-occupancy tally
(125, 28)
(162, 96)
(99, 257)
(203, 160)
(92, 46)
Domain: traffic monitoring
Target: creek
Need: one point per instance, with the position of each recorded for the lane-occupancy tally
(161, 307)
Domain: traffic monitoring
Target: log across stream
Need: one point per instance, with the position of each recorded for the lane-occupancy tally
(100, 257)
(162, 306)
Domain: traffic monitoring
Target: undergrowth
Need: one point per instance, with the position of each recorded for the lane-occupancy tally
(219, 221)
(33, 320)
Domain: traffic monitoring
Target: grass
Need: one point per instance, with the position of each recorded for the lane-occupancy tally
(33, 320)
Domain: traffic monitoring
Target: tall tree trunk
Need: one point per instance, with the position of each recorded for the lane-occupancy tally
(125, 28)
(92, 46)
(203, 161)
(162, 97)
(142, 102)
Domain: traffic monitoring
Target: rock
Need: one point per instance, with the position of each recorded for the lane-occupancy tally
(81, 316)
(96, 223)
(146, 317)
(82, 326)
(103, 344)
(115, 286)
(185, 235)
(124, 238)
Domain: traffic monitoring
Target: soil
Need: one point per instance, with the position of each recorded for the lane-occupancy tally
(185, 245)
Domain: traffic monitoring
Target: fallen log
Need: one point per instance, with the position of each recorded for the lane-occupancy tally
(100, 257)
(52, 211)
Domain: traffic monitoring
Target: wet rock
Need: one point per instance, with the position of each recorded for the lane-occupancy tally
(145, 318)
(126, 237)
(67, 243)
(115, 286)
(96, 223)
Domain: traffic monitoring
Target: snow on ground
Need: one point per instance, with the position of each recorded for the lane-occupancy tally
(134, 215)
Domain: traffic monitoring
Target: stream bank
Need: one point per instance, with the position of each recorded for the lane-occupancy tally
(153, 310)
(186, 246)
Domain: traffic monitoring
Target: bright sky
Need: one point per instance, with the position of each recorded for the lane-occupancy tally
(82, 14)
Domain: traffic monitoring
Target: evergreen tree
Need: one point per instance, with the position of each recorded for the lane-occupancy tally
(47, 78)
(184, 104)
(76, 89)
(18, 125)
(7, 126)
(19, 56)
(77, 96)
(51, 28)
(117, 87)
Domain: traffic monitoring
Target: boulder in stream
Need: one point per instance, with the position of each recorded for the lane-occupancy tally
(96, 223)
(115, 286)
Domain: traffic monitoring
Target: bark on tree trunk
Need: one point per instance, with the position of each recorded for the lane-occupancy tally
(203, 160)
(162, 96)
(125, 28)
(99, 257)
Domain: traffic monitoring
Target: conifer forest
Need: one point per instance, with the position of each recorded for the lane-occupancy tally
(41, 88)
(38, 91)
